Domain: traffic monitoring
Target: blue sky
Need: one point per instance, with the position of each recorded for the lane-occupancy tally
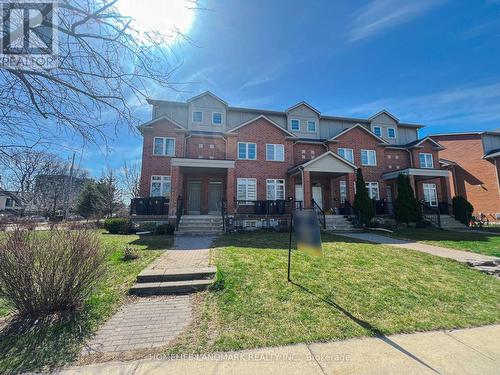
(434, 62)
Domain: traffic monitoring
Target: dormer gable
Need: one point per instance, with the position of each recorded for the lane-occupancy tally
(207, 112)
(207, 98)
(358, 126)
(301, 106)
(303, 120)
(234, 130)
(385, 125)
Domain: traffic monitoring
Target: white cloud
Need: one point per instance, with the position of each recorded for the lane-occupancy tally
(380, 15)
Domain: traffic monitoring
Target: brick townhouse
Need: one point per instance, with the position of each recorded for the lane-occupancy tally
(474, 161)
(204, 152)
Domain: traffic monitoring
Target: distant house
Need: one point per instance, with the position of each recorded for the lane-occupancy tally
(10, 202)
(474, 160)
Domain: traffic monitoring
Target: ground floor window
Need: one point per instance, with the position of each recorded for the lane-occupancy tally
(430, 194)
(160, 186)
(275, 189)
(246, 189)
(343, 191)
(373, 190)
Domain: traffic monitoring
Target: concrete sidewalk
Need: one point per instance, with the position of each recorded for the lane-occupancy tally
(466, 351)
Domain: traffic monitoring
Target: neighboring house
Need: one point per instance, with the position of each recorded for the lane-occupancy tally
(474, 160)
(204, 150)
(9, 202)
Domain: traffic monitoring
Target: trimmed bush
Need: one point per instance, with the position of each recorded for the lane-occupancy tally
(165, 229)
(362, 203)
(462, 209)
(406, 207)
(43, 273)
(116, 225)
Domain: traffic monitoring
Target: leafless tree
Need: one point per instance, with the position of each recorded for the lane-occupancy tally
(130, 179)
(105, 70)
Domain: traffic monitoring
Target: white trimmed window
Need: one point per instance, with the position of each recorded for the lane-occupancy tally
(373, 191)
(275, 189)
(391, 133)
(430, 194)
(377, 130)
(426, 160)
(347, 154)
(368, 157)
(164, 146)
(295, 124)
(160, 186)
(216, 118)
(247, 151)
(246, 189)
(343, 191)
(275, 152)
(311, 126)
(198, 117)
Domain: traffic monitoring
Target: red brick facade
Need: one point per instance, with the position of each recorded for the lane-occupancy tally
(474, 178)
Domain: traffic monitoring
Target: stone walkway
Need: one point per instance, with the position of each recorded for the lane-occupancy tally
(464, 351)
(458, 255)
(146, 323)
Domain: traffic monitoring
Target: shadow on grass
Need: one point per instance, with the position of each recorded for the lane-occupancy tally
(42, 345)
(374, 330)
(154, 242)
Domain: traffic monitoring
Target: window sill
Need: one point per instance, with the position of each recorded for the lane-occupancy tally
(164, 156)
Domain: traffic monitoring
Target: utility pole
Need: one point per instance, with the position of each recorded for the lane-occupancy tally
(70, 185)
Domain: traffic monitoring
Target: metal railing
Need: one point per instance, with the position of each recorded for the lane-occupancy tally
(223, 210)
(431, 213)
(322, 216)
(180, 209)
(264, 207)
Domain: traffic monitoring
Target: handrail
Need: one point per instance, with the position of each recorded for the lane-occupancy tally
(223, 208)
(434, 211)
(314, 204)
(180, 209)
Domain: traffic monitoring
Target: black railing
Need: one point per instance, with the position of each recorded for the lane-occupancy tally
(149, 206)
(431, 213)
(267, 207)
(321, 213)
(180, 209)
(445, 208)
(223, 211)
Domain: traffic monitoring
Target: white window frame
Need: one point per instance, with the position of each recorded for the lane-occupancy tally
(375, 131)
(246, 150)
(351, 151)
(389, 135)
(221, 118)
(163, 179)
(368, 152)
(425, 164)
(343, 191)
(244, 181)
(291, 124)
(201, 119)
(315, 126)
(164, 148)
(370, 187)
(273, 184)
(427, 188)
(274, 145)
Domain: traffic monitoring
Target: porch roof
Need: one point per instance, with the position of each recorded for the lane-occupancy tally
(328, 162)
(425, 172)
(204, 163)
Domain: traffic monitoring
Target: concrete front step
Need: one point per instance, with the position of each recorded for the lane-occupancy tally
(149, 276)
(170, 287)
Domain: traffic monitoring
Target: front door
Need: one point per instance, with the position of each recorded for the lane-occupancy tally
(194, 197)
(317, 196)
(214, 197)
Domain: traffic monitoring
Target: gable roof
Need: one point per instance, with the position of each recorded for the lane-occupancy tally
(384, 111)
(209, 94)
(265, 118)
(161, 118)
(331, 153)
(492, 154)
(362, 127)
(305, 104)
(418, 142)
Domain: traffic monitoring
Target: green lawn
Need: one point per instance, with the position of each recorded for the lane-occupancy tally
(51, 345)
(355, 289)
(488, 244)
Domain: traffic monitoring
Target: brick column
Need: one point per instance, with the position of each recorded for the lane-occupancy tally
(175, 191)
(230, 191)
(445, 190)
(306, 185)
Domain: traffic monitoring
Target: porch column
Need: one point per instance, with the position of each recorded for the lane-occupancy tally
(445, 190)
(306, 186)
(413, 185)
(230, 191)
(175, 190)
(333, 203)
(350, 179)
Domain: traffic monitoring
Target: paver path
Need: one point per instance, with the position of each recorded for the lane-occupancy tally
(458, 255)
(464, 351)
(146, 323)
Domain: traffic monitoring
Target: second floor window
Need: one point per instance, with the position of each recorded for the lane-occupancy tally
(311, 126)
(275, 152)
(217, 118)
(377, 130)
(246, 189)
(9, 202)
(368, 157)
(373, 191)
(295, 125)
(426, 160)
(247, 151)
(391, 133)
(164, 146)
(160, 186)
(198, 117)
(347, 154)
(275, 189)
